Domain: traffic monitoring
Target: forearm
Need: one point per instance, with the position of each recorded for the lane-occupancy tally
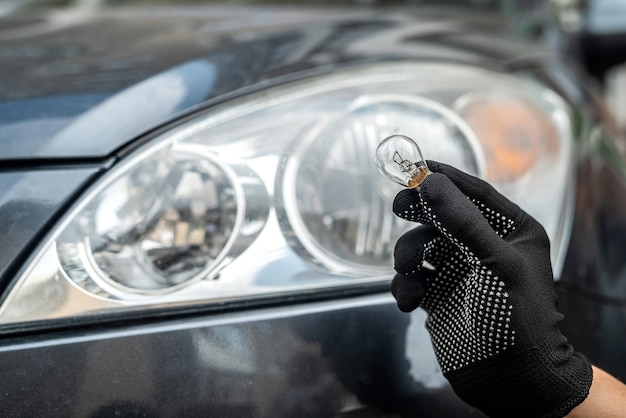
(607, 398)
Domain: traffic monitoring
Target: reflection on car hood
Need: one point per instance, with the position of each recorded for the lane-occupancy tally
(83, 84)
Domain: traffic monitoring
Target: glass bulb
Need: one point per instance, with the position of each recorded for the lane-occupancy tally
(400, 159)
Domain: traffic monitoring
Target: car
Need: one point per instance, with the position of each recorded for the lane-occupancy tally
(191, 219)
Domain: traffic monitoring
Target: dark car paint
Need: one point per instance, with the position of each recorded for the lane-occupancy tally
(29, 201)
(328, 358)
(592, 292)
(315, 360)
(68, 82)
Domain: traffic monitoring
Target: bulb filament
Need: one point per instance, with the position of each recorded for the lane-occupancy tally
(416, 172)
(405, 165)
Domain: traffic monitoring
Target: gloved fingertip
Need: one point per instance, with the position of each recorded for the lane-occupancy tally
(435, 184)
(408, 292)
(406, 200)
(436, 166)
(407, 257)
(408, 306)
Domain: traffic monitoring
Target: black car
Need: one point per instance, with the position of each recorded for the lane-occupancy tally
(191, 220)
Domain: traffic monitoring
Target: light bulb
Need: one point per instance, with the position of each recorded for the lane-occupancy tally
(400, 159)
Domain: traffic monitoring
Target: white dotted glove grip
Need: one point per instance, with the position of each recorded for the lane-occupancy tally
(489, 293)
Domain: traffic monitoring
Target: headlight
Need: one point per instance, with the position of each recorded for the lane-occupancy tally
(277, 193)
(168, 220)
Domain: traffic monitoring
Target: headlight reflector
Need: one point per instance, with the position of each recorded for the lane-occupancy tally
(335, 205)
(158, 225)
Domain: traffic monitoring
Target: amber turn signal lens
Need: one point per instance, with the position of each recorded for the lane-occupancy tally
(513, 132)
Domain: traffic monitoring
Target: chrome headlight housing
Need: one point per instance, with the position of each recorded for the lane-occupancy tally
(277, 193)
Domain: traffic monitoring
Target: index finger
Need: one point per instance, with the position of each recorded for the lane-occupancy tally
(478, 190)
(459, 219)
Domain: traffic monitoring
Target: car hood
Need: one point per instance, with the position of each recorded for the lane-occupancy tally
(83, 84)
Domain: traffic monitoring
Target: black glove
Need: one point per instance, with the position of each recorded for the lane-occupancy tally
(490, 298)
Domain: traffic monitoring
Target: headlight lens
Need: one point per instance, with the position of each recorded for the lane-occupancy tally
(278, 192)
(335, 206)
(161, 224)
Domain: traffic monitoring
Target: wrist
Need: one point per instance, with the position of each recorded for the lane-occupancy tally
(607, 398)
(546, 380)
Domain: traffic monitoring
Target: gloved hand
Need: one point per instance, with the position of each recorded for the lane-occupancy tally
(490, 298)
